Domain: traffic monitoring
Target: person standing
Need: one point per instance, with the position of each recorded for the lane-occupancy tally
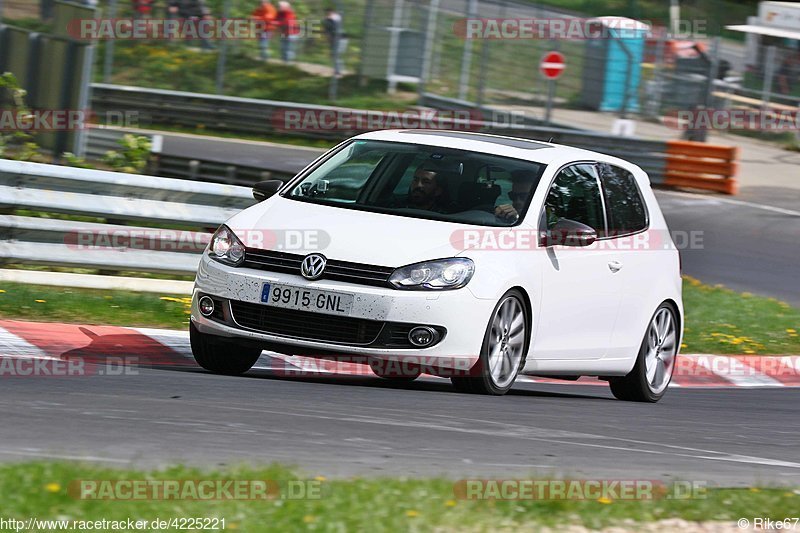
(286, 21)
(332, 26)
(191, 11)
(143, 8)
(264, 15)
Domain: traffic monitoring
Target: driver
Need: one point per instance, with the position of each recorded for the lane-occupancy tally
(522, 183)
(427, 190)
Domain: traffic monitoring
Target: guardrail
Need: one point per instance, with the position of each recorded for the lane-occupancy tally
(131, 212)
(101, 139)
(247, 115)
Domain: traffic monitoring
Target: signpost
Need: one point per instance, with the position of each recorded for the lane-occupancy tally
(551, 66)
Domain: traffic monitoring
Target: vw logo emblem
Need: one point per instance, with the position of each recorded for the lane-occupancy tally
(313, 266)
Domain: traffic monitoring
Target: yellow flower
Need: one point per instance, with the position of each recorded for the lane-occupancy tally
(41, 301)
(321, 478)
(790, 330)
(52, 487)
(450, 503)
(308, 519)
(411, 513)
(755, 489)
(605, 500)
(2, 291)
(233, 525)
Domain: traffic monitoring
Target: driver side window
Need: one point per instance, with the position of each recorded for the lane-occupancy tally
(575, 195)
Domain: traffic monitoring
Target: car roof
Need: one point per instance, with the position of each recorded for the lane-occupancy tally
(515, 147)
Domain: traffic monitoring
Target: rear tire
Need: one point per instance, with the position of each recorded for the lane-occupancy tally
(503, 351)
(655, 362)
(221, 357)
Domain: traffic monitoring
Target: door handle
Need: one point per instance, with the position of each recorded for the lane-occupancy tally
(614, 266)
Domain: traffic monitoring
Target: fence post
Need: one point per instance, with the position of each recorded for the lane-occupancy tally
(427, 52)
(657, 78)
(368, 14)
(223, 51)
(466, 57)
(108, 60)
(769, 73)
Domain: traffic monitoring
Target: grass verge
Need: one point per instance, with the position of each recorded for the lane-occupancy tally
(40, 489)
(718, 320)
(88, 306)
(722, 321)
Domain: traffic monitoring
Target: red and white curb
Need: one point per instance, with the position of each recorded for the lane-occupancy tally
(170, 348)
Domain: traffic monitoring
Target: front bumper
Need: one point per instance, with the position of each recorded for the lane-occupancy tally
(463, 316)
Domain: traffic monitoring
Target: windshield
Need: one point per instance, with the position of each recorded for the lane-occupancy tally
(423, 182)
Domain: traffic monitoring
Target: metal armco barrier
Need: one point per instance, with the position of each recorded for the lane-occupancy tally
(134, 208)
(688, 167)
(702, 166)
(197, 168)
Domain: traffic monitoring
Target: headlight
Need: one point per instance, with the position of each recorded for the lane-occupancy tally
(226, 247)
(442, 274)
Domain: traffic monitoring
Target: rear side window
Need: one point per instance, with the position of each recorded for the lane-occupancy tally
(626, 210)
(575, 195)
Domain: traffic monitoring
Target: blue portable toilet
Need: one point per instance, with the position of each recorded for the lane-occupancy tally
(613, 56)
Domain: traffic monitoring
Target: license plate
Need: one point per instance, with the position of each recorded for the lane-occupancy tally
(314, 300)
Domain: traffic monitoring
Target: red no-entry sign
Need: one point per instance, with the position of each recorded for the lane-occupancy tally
(552, 65)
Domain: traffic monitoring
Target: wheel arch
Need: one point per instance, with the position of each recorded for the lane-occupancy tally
(526, 299)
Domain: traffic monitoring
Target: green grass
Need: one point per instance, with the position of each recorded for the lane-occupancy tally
(180, 68)
(722, 321)
(376, 504)
(718, 320)
(88, 306)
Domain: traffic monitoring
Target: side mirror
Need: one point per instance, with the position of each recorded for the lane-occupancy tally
(568, 232)
(264, 189)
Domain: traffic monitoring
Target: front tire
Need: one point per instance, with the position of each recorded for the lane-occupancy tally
(503, 351)
(221, 357)
(651, 374)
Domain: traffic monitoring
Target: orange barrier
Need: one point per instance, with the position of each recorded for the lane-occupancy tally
(702, 166)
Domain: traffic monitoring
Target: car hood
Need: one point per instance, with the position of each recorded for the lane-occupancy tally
(346, 234)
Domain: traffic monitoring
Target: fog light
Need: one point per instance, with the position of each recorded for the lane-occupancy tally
(422, 336)
(206, 306)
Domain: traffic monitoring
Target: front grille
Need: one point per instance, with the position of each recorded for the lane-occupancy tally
(305, 325)
(361, 274)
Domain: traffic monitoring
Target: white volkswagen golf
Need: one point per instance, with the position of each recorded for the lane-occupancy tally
(465, 255)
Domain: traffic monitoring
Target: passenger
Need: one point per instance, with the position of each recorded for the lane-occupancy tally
(522, 184)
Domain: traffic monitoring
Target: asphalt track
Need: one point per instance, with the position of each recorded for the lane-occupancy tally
(339, 426)
(363, 425)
